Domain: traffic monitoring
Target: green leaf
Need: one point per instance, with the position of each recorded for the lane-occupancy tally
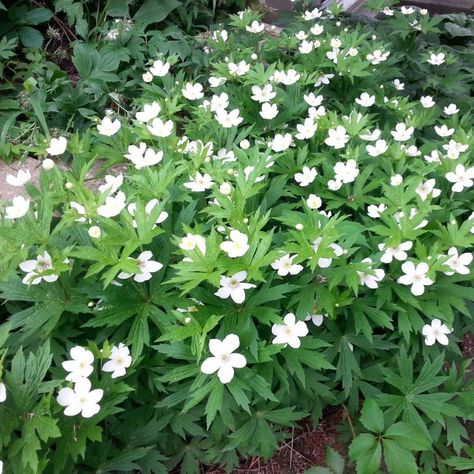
(37, 16)
(30, 38)
(408, 436)
(367, 452)
(399, 460)
(117, 8)
(335, 461)
(372, 416)
(154, 11)
(460, 463)
(214, 403)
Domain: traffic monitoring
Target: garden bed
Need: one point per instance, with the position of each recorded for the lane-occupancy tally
(276, 262)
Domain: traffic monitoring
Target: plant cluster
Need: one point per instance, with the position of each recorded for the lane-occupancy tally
(286, 232)
(82, 57)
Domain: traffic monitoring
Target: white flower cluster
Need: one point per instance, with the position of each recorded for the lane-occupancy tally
(81, 399)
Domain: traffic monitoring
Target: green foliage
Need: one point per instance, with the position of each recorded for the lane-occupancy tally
(152, 262)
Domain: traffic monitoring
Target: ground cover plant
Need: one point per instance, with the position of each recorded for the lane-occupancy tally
(287, 232)
(62, 62)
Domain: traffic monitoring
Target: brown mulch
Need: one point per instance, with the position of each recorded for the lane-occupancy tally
(467, 346)
(306, 448)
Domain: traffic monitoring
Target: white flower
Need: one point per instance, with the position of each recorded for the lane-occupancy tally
(337, 137)
(458, 263)
(375, 211)
(334, 184)
(346, 172)
(411, 150)
(366, 100)
(20, 179)
(47, 164)
(147, 76)
(314, 202)
(236, 246)
(312, 15)
(398, 252)
(379, 148)
(437, 59)
(228, 119)
(301, 35)
(377, 57)
(112, 184)
(313, 100)
(290, 331)
(398, 84)
(396, 180)
(158, 128)
(224, 359)
(35, 268)
(108, 128)
(316, 29)
(461, 177)
(255, 27)
(120, 360)
(57, 146)
(113, 205)
(451, 109)
(317, 319)
(288, 78)
(81, 364)
(425, 189)
(150, 111)
(234, 287)
(281, 142)
(94, 232)
(219, 102)
(371, 281)
(306, 130)
(307, 176)
(443, 131)
(192, 91)
(323, 79)
(160, 68)
(316, 113)
(191, 241)
(433, 157)
(18, 209)
(142, 156)
(226, 156)
(269, 111)
(402, 133)
(3, 393)
(427, 101)
(81, 400)
(220, 35)
(263, 94)
(146, 267)
(416, 276)
(284, 265)
(454, 149)
(216, 81)
(371, 136)
(239, 69)
(407, 10)
(150, 205)
(436, 332)
(306, 47)
(325, 262)
(200, 183)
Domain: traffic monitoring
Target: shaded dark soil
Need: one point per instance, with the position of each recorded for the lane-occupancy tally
(306, 448)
